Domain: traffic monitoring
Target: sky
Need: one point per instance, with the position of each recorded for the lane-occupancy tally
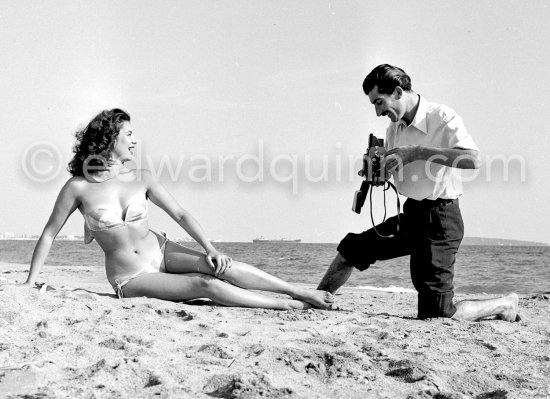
(252, 115)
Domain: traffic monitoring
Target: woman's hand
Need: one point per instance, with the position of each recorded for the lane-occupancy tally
(218, 261)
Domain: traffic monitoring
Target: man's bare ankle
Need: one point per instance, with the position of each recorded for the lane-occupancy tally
(326, 287)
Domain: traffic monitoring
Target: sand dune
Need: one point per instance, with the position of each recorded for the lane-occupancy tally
(80, 341)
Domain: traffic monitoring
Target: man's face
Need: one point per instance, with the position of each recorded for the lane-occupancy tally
(389, 105)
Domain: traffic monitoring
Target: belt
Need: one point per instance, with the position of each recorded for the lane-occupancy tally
(439, 201)
(426, 203)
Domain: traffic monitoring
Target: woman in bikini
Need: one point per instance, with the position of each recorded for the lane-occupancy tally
(140, 262)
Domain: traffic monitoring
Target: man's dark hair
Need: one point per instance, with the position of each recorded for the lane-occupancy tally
(387, 78)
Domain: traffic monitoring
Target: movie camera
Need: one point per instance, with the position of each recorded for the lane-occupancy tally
(374, 174)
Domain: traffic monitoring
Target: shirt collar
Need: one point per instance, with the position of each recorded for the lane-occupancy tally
(419, 120)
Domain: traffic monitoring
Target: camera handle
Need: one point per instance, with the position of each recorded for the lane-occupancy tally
(390, 184)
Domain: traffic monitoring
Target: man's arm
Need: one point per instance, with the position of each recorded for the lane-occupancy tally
(453, 157)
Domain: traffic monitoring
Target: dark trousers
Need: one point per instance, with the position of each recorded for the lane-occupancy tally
(431, 233)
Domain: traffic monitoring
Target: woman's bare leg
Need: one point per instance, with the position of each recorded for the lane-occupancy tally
(184, 260)
(184, 287)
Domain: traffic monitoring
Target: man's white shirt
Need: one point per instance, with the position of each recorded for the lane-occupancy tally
(434, 125)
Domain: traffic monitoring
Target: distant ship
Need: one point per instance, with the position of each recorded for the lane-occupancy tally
(262, 240)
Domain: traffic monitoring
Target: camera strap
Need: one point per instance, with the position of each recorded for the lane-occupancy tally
(389, 184)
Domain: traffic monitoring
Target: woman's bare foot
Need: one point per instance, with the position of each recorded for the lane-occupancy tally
(318, 298)
(299, 304)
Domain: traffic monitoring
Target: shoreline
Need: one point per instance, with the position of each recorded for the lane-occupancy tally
(98, 273)
(80, 341)
(467, 241)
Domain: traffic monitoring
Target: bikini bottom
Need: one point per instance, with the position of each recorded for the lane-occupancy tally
(156, 265)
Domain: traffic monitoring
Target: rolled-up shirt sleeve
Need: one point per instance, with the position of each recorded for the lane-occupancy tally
(457, 134)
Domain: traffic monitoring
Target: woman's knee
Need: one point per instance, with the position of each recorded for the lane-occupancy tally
(209, 285)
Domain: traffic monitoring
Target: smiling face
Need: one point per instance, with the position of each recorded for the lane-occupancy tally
(389, 105)
(123, 148)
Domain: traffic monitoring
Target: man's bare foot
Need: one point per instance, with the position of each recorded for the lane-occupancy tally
(504, 308)
(510, 312)
(318, 298)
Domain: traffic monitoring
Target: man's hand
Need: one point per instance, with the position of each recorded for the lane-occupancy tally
(398, 157)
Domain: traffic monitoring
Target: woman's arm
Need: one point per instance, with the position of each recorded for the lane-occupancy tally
(65, 205)
(162, 198)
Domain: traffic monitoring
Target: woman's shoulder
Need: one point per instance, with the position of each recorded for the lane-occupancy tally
(74, 186)
(76, 182)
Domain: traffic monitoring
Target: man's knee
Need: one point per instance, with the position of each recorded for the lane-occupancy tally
(435, 296)
(341, 263)
(353, 251)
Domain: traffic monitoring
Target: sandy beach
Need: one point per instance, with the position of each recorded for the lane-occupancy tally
(79, 340)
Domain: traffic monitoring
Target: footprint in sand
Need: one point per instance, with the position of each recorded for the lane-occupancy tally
(113, 343)
(185, 316)
(229, 386)
(139, 341)
(405, 370)
(217, 351)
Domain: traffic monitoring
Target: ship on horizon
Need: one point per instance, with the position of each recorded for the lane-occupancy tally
(263, 240)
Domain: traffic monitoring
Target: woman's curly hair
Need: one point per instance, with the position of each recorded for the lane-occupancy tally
(94, 142)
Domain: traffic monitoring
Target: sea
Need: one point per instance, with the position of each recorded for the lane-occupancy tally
(478, 269)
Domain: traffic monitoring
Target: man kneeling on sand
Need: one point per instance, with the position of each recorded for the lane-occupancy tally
(425, 144)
